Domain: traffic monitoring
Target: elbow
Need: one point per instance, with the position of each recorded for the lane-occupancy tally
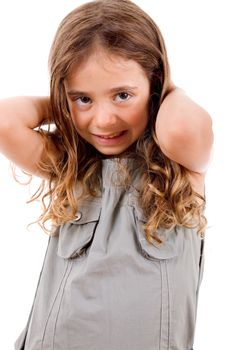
(6, 122)
(190, 146)
(5, 129)
(8, 132)
(203, 134)
(198, 132)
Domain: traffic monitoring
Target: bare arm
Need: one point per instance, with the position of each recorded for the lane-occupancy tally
(18, 141)
(184, 131)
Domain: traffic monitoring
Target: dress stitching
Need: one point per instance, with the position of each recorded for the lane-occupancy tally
(161, 309)
(58, 311)
(51, 309)
(169, 305)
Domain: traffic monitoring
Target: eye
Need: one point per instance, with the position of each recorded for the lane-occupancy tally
(122, 96)
(83, 101)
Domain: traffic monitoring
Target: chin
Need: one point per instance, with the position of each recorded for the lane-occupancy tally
(111, 151)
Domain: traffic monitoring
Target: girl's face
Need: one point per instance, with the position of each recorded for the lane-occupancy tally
(108, 98)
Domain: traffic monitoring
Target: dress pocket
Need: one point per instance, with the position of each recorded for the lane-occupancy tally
(76, 236)
(170, 247)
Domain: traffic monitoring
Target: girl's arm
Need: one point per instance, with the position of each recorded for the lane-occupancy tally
(18, 141)
(184, 131)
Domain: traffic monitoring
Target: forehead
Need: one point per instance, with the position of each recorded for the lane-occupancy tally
(103, 67)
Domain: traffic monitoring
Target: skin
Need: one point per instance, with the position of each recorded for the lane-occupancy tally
(108, 100)
(185, 135)
(108, 94)
(184, 129)
(19, 142)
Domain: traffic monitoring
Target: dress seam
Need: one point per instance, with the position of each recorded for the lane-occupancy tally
(52, 306)
(61, 298)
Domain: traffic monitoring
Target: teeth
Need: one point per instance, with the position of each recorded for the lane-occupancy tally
(112, 136)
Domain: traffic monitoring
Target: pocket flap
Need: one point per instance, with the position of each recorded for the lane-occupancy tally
(170, 247)
(76, 235)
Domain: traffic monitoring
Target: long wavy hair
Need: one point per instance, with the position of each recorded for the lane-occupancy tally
(166, 196)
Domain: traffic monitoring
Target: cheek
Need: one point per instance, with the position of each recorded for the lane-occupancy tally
(139, 115)
(72, 111)
(76, 117)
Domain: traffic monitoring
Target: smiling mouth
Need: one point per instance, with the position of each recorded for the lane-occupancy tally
(116, 134)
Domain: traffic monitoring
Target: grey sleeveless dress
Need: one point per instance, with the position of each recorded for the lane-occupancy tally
(104, 287)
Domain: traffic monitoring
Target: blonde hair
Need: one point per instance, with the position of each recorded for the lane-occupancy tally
(166, 196)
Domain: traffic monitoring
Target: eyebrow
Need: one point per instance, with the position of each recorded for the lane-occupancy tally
(73, 93)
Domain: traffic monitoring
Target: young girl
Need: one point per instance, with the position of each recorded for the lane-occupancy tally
(123, 186)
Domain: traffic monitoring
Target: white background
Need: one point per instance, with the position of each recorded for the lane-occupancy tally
(198, 34)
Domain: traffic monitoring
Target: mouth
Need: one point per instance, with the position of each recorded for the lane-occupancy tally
(111, 136)
(111, 140)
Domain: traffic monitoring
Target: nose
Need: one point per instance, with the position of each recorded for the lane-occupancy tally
(105, 116)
